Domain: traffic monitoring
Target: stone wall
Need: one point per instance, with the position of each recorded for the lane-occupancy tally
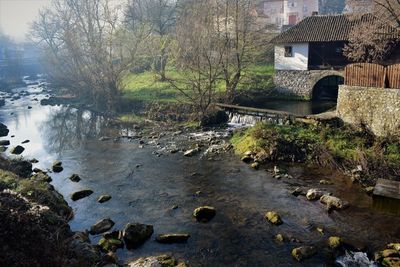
(300, 83)
(376, 108)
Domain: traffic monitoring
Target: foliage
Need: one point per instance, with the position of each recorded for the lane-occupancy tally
(345, 146)
(372, 42)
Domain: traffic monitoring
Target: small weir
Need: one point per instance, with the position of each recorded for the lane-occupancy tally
(247, 116)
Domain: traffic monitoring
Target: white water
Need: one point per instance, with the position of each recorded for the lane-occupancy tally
(237, 120)
(355, 259)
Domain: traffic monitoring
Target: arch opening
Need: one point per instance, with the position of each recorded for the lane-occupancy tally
(327, 88)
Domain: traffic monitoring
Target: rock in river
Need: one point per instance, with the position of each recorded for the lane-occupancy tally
(303, 252)
(103, 198)
(172, 238)
(75, 178)
(334, 242)
(191, 152)
(101, 226)
(3, 130)
(204, 213)
(4, 142)
(314, 194)
(333, 202)
(135, 234)
(81, 194)
(17, 150)
(111, 241)
(57, 166)
(273, 217)
(156, 261)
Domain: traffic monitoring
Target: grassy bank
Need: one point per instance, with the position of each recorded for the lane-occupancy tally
(147, 88)
(340, 147)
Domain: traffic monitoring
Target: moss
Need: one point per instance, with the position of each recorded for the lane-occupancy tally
(8, 180)
(131, 118)
(347, 147)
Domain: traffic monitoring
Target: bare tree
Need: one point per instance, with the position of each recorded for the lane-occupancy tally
(237, 32)
(159, 17)
(197, 56)
(373, 39)
(79, 41)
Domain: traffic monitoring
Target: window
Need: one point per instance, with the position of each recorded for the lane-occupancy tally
(288, 51)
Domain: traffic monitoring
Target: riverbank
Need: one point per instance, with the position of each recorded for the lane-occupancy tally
(356, 151)
(34, 222)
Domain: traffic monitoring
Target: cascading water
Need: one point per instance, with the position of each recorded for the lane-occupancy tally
(355, 259)
(243, 120)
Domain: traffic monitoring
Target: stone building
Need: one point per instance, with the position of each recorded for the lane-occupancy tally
(309, 60)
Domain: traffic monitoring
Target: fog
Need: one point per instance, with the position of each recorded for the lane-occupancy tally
(17, 15)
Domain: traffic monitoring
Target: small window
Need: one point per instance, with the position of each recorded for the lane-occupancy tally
(288, 51)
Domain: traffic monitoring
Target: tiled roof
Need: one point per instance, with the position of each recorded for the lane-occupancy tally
(329, 28)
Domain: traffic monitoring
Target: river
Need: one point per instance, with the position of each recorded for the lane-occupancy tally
(145, 181)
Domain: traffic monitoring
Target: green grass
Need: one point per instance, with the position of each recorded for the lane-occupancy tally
(145, 86)
(309, 142)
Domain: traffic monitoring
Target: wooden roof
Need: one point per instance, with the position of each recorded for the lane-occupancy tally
(329, 28)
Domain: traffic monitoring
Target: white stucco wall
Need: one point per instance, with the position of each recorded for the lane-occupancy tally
(299, 60)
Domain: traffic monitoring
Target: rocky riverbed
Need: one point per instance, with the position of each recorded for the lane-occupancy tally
(152, 178)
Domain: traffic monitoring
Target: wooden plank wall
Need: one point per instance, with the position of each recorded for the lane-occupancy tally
(393, 76)
(373, 75)
(365, 74)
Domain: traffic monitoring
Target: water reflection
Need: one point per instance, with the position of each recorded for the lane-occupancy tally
(68, 128)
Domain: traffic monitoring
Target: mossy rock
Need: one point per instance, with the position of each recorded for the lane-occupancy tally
(273, 217)
(334, 242)
(391, 262)
(110, 244)
(303, 252)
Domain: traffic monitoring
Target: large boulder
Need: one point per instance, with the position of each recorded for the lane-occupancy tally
(135, 234)
(303, 252)
(204, 213)
(172, 238)
(101, 226)
(81, 194)
(273, 217)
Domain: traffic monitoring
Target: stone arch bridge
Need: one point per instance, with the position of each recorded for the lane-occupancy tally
(302, 83)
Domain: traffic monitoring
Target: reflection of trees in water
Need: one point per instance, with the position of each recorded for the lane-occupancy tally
(67, 128)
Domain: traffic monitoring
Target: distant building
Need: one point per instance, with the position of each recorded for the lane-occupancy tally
(309, 60)
(358, 6)
(287, 12)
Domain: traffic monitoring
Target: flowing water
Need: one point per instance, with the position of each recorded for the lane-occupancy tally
(146, 181)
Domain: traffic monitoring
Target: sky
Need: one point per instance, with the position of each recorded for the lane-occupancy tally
(17, 15)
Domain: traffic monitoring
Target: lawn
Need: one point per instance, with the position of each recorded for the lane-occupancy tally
(145, 87)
